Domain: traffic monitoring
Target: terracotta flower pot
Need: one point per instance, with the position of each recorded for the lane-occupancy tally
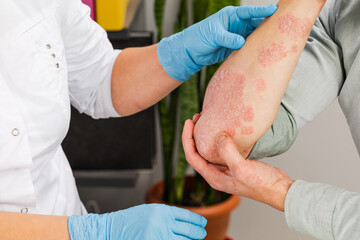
(218, 215)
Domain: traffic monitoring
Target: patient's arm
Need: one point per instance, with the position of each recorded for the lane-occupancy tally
(244, 95)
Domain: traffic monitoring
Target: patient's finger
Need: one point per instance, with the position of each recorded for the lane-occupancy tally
(209, 171)
(196, 117)
(229, 153)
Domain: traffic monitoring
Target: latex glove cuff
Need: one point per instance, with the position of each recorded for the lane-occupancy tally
(175, 58)
(88, 226)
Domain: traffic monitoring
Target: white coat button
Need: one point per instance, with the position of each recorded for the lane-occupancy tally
(57, 65)
(15, 132)
(48, 46)
(53, 55)
(24, 210)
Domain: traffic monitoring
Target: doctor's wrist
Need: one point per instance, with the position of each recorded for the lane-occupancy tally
(89, 226)
(175, 58)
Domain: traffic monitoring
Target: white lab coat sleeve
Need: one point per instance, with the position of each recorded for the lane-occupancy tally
(90, 59)
(315, 84)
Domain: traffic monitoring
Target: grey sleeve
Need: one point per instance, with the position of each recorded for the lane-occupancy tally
(315, 84)
(278, 138)
(323, 211)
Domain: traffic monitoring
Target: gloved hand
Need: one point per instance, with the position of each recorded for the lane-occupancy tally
(209, 41)
(144, 222)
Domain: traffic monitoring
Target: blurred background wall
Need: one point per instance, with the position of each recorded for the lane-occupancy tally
(323, 152)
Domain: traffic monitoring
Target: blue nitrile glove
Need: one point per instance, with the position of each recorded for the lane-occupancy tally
(210, 41)
(144, 222)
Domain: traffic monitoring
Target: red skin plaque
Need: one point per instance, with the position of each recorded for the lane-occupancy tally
(224, 101)
(275, 53)
(294, 27)
(226, 109)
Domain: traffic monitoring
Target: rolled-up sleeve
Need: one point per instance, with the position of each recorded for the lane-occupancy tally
(315, 84)
(90, 59)
(323, 211)
(279, 138)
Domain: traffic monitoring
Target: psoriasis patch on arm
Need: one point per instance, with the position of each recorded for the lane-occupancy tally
(225, 108)
(294, 27)
(260, 85)
(275, 53)
(247, 130)
(244, 95)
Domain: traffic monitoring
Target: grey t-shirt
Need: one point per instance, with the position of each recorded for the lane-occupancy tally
(329, 68)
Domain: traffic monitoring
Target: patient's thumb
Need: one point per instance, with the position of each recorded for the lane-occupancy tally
(228, 151)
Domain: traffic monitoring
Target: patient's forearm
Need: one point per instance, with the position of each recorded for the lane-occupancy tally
(244, 95)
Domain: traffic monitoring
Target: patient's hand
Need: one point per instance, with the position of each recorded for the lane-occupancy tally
(248, 178)
(244, 95)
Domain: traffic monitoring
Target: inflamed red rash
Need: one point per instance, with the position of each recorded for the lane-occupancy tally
(260, 85)
(247, 130)
(224, 110)
(247, 113)
(294, 27)
(275, 53)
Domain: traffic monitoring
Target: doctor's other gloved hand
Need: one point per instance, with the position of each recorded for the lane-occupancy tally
(144, 222)
(210, 41)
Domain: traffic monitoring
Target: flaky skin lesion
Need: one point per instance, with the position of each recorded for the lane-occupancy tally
(244, 96)
(226, 88)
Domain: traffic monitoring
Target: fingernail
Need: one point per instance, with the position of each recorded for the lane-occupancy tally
(221, 137)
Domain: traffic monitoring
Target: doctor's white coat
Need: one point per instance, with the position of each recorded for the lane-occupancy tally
(51, 54)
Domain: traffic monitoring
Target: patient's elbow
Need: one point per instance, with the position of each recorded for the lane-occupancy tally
(204, 136)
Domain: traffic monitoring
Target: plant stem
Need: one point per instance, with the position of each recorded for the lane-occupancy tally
(168, 122)
(159, 15)
(189, 106)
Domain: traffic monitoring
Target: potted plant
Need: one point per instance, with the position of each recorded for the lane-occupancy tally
(191, 192)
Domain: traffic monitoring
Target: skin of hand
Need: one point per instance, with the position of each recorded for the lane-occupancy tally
(248, 178)
(144, 222)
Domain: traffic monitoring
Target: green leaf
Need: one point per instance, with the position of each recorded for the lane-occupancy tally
(181, 23)
(200, 8)
(188, 96)
(189, 106)
(168, 125)
(159, 15)
(216, 5)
